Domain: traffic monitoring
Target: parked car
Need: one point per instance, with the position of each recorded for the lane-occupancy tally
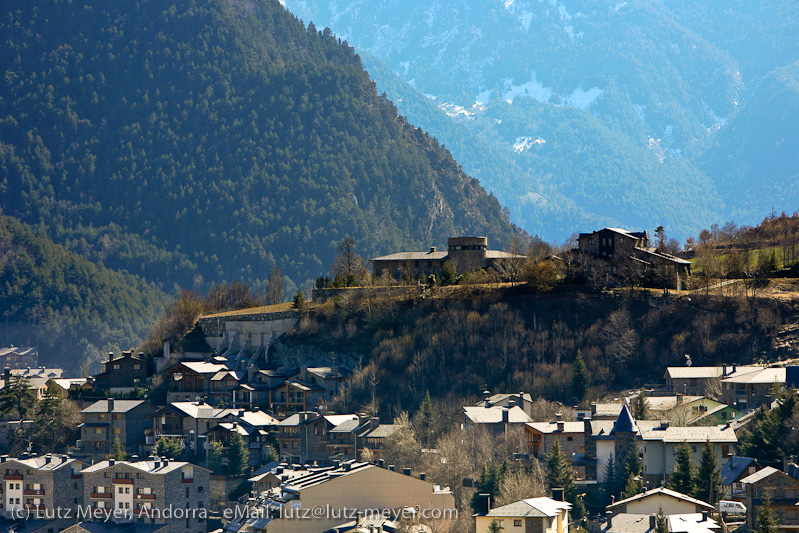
(729, 507)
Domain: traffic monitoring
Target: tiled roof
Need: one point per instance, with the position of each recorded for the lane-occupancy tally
(697, 434)
(413, 256)
(765, 376)
(120, 406)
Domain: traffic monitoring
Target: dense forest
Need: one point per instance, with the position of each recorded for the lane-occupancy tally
(193, 143)
(69, 307)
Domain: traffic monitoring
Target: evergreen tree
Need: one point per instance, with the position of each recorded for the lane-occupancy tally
(215, 454)
(766, 523)
(298, 302)
(16, 398)
(426, 421)
(581, 379)
(560, 473)
(661, 521)
(494, 527)
(53, 428)
(491, 476)
(633, 484)
(118, 453)
(610, 477)
(640, 406)
(238, 455)
(708, 480)
(169, 448)
(683, 478)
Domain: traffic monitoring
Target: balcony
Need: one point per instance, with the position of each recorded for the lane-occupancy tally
(34, 507)
(144, 496)
(33, 492)
(104, 495)
(13, 477)
(77, 476)
(122, 481)
(187, 480)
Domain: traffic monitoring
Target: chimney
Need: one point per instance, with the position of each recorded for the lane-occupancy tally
(47, 459)
(705, 516)
(422, 476)
(486, 396)
(505, 417)
(557, 494)
(652, 522)
(609, 515)
(593, 409)
(110, 355)
(484, 505)
(166, 350)
(381, 463)
(392, 468)
(374, 422)
(558, 416)
(432, 249)
(734, 366)
(679, 399)
(111, 462)
(724, 369)
(406, 471)
(561, 426)
(110, 405)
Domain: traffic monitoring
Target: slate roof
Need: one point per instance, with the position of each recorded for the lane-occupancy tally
(347, 426)
(120, 406)
(734, 467)
(531, 507)
(766, 375)
(202, 367)
(552, 427)
(200, 410)
(686, 372)
(413, 256)
(697, 434)
(144, 466)
(762, 474)
(381, 431)
(625, 422)
(493, 415)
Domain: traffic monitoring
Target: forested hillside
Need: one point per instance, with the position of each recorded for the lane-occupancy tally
(72, 309)
(606, 109)
(196, 142)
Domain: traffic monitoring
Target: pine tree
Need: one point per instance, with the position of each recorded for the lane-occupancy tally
(633, 484)
(765, 518)
(491, 476)
(708, 480)
(238, 455)
(426, 420)
(17, 397)
(640, 406)
(581, 379)
(559, 471)
(661, 521)
(298, 302)
(215, 454)
(610, 478)
(169, 448)
(683, 478)
(117, 451)
(494, 527)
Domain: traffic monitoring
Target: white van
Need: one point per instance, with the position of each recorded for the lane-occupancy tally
(726, 506)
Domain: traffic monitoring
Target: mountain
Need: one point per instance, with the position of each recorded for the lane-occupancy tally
(606, 108)
(189, 143)
(70, 308)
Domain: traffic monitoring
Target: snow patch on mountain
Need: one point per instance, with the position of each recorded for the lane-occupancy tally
(405, 66)
(532, 88)
(523, 144)
(483, 98)
(583, 99)
(525, 18)
(454, 111)
(619, 5)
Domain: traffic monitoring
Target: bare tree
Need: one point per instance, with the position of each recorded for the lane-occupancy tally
(348, 265)
(274, 286)
(520, 484)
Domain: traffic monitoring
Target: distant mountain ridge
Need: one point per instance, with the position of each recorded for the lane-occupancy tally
(606, 108)
(196, 142)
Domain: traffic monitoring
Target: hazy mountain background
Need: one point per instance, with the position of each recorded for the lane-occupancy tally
(176, 144)
(580, 113)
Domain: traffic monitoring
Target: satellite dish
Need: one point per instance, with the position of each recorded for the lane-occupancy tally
(687, 360)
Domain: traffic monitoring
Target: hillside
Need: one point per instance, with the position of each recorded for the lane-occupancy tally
(605, 109)
(191, 143)
(72, 309)
(510, 340)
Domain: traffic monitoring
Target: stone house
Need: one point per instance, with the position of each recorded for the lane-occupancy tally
(781, 489)
(542, 515)
(495, 419)
(191, 381)
(123, 373)
(464, 253)
(187, 421)
(614, 255)
(105, 421)
(154, 491)
(753, 389)
(542, 435)
(40, 484)
(698, 380)
(18, 357)
(732, 472)
(521, 399)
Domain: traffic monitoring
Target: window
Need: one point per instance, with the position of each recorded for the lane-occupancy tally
(137, 366)
(200, 489)
(117, 431)
(517, 523)
(188, 493)
(116, 367)
(569, 439)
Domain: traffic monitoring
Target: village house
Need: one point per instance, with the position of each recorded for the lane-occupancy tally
(614, 255)
(145, 491)
(543, 515)
(19, 357)
(521, 399)
(570, 436)
(191, 381)
(732, 472)
(701, 380)
(123, 373)
(187, 422)
(352, 485)
(780, 489)
(254, 428)
(495, 419)
(37, 378)
(40, 484)
(753, 389)
(106, 421)
(465, 254)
